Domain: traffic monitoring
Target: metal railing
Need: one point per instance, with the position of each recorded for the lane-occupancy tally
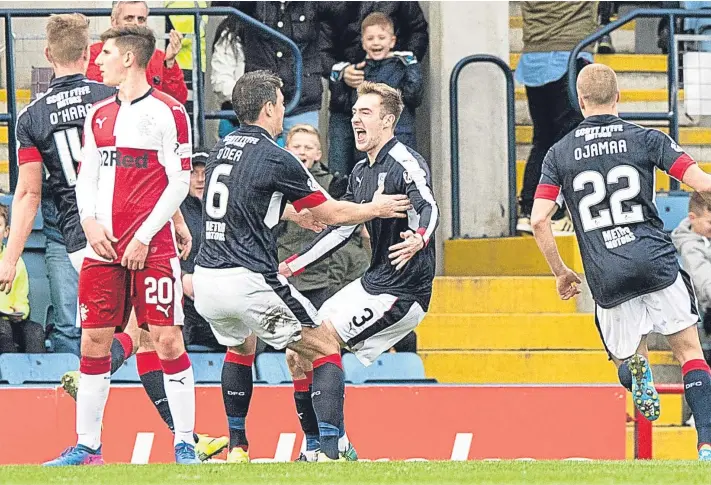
(454, 136)
(198, 88)
(671, 115)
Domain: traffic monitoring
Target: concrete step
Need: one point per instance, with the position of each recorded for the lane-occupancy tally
(511, 256)
(496, 294)
(668, 442)
(622, 40)
(516, 22)
(527, 367)
(663, 180)
(508, 331)
(620, 62)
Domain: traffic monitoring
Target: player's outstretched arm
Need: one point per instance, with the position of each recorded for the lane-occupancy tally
(698, 180)
(25, 204)
(343, 213)
(304, 218)
(566, 279)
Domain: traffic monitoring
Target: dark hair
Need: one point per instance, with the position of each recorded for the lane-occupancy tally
(252, 91)
(5, 214)
(141, 41)
(229, 27)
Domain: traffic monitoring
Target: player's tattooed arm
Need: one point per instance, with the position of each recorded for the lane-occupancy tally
(567, 280)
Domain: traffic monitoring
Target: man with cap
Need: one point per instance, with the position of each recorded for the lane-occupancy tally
(196, 331)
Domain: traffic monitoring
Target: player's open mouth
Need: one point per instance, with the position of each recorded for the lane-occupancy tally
(360, 135)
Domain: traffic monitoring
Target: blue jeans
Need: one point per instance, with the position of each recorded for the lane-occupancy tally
(308, 118)
(341, 148)
(63, 290)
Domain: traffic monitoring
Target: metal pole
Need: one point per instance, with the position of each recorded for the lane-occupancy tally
(672, 86)
(197, 87)
(11, 101)
(454, 145)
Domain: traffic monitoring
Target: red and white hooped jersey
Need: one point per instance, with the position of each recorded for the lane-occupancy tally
(130, 150)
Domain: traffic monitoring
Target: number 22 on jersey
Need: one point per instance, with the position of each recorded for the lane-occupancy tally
(615, 214)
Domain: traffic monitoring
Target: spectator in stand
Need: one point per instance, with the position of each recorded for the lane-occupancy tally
(17, 333)
(196, 330)
(322, 280)
(300, 22)
(227, 65)
(163, 72)
(692, 239)
(342, 53)
(399, 70)
(550, 31)
(63, 282)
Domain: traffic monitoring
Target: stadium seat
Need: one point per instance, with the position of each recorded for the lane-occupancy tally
(396, 368)
(200, 348)
(272, 368)
(207, 367)
(40, 300)
(673, 208)
(17, 369)
(127, 373)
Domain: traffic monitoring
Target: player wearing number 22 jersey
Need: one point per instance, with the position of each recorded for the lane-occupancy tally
(49, 131)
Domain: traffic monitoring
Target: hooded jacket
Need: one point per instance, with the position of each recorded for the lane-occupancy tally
(695, 251)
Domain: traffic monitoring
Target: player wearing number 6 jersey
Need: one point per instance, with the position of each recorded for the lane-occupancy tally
(604, 170)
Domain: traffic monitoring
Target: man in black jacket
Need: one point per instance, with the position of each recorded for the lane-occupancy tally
(300, 22)
(342, 55)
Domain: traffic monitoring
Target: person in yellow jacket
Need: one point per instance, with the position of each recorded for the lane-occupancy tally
(17, 333)
(185, 24)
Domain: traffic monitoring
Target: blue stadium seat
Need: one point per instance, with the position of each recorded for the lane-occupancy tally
(207, 367)
(127, 373)
(200, 348)
(673, 208)
(396, 368)
(272, 368)
(17, 369)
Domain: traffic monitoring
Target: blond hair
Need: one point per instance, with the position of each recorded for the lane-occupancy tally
(303, 128)
(597, 85)
(67, 37)
(390, 98)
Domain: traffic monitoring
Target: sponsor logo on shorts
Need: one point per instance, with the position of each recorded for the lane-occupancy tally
(693, 384)
(165, 310)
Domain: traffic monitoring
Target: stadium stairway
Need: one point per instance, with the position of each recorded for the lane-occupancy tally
(495, 317)
(23, 98)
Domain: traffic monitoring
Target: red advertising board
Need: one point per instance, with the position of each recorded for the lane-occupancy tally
(384, 422)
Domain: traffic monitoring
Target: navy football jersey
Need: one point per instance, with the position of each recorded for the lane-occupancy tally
(605, 172)
(249, 181)
(49, 130)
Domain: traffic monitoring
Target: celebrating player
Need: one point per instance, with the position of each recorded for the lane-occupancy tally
(236, 283)
(376, 311)
(134, 175)
(604, 170)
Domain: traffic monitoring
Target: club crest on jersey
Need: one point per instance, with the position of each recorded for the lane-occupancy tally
(381, 178)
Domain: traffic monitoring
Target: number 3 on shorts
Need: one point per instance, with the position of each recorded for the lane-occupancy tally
(159, 291)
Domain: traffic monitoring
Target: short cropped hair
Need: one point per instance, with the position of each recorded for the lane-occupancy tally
(5, 214)
(698, 205)
(390, 98)
(597, 85)
(67, 37)
(252, 91)
(303, 128)
(380, 19)
(116, 8)
(137, 39)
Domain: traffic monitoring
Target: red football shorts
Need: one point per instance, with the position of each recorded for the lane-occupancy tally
(107, 291)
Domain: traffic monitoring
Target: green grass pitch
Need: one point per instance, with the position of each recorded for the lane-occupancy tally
(445, 472)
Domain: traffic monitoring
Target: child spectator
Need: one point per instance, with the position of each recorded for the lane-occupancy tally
(692, 240)
(399, 70)
(322, 280)
(17, 334)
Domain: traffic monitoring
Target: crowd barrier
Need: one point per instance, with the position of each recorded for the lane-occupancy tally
(432, 422)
